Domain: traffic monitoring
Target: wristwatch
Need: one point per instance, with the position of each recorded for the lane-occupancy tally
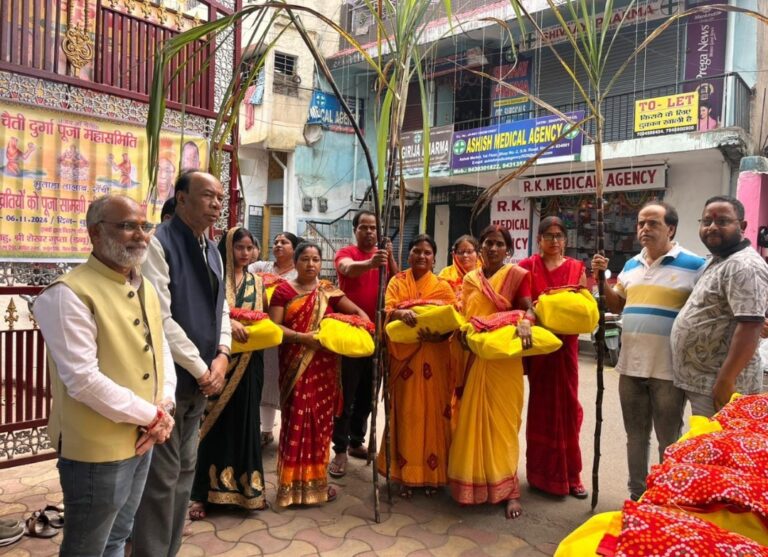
(225, 353)
(169, 407)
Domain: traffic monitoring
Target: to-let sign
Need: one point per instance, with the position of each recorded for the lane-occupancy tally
(670, 114)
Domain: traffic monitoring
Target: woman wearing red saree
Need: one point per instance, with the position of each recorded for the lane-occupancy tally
(309, 380)
(482, 464)
(553, 456)
(420, 379)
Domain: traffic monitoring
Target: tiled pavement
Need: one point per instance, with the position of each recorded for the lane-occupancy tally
(417, 527)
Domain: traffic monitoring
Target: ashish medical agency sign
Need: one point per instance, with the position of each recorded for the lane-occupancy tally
(578, 183)
(670, 114)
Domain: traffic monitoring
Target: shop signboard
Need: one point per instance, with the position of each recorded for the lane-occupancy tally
(412, 152)
(705, 60)
(511, 144)
(642, 11)
(52, 165)
(325, 110)
(580, 183)
(665, 115)
(507, 104)
(513, 212)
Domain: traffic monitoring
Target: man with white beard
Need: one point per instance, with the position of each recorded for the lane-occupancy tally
(112, 379)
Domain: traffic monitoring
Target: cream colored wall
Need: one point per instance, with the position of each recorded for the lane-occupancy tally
(279, 120)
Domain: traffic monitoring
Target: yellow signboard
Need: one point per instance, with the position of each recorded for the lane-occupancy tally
(663, 115)
(52, 165)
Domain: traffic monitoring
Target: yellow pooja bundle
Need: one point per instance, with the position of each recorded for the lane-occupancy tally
(271, 281)
(494, 337)
(569, 310)
(437, 316)
(348, 335)
(262, 332)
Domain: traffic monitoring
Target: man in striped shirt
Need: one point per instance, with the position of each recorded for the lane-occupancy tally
(650, 291)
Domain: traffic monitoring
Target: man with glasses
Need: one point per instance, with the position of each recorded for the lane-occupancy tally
(650, 290)
(716, 336)
(112, 380)
(186, 269)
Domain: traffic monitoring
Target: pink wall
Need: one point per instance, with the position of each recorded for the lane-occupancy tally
(752, 191)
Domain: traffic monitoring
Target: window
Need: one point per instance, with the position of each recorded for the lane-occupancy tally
(286, 80)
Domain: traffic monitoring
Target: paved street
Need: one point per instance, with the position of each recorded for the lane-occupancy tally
(418, 527)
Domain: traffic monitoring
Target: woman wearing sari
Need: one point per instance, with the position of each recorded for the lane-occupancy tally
(420, 379)
(309, 380)
(273, 273)
(553, 456)
(465, 259)
(229, 467)
(482, 464)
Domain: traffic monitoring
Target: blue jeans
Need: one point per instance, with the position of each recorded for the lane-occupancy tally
(100, 500)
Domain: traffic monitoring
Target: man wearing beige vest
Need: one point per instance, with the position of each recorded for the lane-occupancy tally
(112, 379)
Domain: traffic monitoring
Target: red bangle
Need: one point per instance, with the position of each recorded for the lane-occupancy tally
(158, 417)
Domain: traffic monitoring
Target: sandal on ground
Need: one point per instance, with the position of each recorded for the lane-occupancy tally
(267, 438)
(38, 526)
(55, 515)
(430, 491)
(513, 509)
(338, 466)
(197, 511)
(332, 495)
(11, 522)
(406, 492)
(579, 491)
(10, 532)
(358, 452)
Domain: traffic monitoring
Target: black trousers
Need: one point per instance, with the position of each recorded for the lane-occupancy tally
(349, 429)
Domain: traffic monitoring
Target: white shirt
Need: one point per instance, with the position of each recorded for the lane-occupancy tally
(184, 351)
(70, 335)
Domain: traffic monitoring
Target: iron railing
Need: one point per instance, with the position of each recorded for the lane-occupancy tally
(619, 110)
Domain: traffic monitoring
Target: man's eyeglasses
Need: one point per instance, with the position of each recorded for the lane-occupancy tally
(129, 226)
(553, 237)
(720, 223)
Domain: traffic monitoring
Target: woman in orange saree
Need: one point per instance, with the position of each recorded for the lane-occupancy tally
(420, 379)
(309, 380)
(482, 464)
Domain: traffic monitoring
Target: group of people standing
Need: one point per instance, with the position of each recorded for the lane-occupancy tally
(152, 411)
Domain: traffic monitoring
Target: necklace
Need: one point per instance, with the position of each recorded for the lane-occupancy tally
(239, 283)
(300, 288)
(285, 272)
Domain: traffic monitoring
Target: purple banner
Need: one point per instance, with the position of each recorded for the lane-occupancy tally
(705, 58)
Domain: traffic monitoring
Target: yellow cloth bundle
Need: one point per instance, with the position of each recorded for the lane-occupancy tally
(503, 342)
(346, 335)
(262, 332)
(567, 311)
(438, 319)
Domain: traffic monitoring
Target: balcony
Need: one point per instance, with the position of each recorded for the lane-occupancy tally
(619, 110)
(124, 39)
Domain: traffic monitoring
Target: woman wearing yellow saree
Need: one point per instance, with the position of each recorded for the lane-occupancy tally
(420, 379)
(482, 464)
(309, 380)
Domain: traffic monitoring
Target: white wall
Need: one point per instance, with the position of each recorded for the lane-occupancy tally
(254, 164)
(442, 216)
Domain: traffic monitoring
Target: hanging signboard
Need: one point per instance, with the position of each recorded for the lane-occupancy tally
(705, 58)
(506, 104)
(412, 152)
(579, 183)
(325, 110)
(511, 144)
(664, 115)
(513, 213)
(52, 165)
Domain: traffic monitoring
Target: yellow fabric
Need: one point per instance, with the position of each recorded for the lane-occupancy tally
(566, 312)
(345, 339)
(504, 342)
(482, 466)
(449, 273)
(262, 334)
(269, 291)
(421, 381)
(438, 319)
(699, 426)
(585, 539)
(747, 524)
(77, 431)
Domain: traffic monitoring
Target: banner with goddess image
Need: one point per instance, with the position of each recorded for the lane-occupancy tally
(53, 164)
